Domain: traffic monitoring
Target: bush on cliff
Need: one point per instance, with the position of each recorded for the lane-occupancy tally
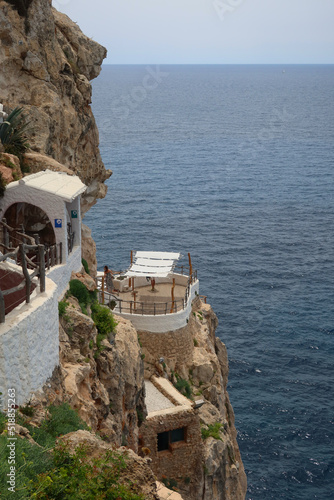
(12, 133)
(77, 476)
(43, 473)
(103, 318)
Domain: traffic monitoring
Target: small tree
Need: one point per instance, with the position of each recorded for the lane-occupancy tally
(12, 133)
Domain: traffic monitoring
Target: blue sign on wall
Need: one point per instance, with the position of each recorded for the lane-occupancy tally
(74, 214)
(58, 222)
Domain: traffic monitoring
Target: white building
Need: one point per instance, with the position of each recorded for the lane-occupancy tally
(45, 205)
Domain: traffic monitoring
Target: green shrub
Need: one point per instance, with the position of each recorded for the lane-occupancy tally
(27, 410)
(62, 308)
(2, 422)
(79, 291)
(103, 319)
(30, 460)
(78, 476)
(140, 416)
(212, 431)
(183, 386)
(85, 265)
(63, 419)
(171, 484)
(12, 133)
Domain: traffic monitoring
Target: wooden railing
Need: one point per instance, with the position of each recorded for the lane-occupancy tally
(12, 237)
(20, 255)
(70, 237)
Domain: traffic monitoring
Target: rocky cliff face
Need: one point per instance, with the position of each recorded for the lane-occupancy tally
(46, 65)
(204, 366)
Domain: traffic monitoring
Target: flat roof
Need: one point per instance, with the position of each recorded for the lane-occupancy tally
(154, 399)
(67, 187)
(162, 398)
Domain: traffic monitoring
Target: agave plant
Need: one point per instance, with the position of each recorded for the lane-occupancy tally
(12, 133)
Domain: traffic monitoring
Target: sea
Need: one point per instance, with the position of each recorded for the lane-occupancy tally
(234, 164)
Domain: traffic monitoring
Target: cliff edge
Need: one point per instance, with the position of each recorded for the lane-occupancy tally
(46, 65)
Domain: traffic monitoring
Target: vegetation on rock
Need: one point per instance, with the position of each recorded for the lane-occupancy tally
(59, 474)
(13, 133)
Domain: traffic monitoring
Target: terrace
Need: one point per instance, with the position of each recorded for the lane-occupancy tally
(155, 293)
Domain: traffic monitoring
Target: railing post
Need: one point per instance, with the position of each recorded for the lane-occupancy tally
(25, 272)
(131, 307)
(47, 254)
(102, 288)
(36, 236)
(120, 306)
(41, 255)
(5, 234)
(52, 256)
(56, 254)
(2, 308)
(61, 252)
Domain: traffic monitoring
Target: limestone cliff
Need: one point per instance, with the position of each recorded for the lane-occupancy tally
(46, 64)
(196, 355)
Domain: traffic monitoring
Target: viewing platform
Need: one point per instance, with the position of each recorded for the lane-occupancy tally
(155, 293)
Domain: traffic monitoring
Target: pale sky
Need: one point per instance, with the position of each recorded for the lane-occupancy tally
(208, 31)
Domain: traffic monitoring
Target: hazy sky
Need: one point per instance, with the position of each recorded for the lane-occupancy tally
(208, 31)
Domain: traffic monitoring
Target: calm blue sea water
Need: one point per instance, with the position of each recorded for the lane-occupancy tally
(235, 165)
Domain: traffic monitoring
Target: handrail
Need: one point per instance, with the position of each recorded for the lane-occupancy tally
(20, 255)
(142, 307)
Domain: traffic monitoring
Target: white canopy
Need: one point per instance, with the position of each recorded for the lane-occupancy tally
(153, 264)
(67, 187)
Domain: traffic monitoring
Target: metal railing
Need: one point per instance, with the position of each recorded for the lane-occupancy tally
(142, 307)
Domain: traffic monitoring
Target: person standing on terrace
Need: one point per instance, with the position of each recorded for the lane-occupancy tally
(108, 280)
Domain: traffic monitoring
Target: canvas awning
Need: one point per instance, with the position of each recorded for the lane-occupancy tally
(153, 264)
(67, 187)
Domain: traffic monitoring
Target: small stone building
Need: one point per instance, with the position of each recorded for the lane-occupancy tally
(171, 434)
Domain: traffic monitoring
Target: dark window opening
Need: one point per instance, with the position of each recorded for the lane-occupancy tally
(177, 435)
(165, 439)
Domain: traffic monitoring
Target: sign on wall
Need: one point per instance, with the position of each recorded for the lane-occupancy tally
(74, 214)
(58, 222)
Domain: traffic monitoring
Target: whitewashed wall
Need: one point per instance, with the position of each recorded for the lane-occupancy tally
(62, 274)
(29, 344)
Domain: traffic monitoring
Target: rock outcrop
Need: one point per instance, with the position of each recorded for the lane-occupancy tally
(103, 380)
(205, 368)
(46, 65)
